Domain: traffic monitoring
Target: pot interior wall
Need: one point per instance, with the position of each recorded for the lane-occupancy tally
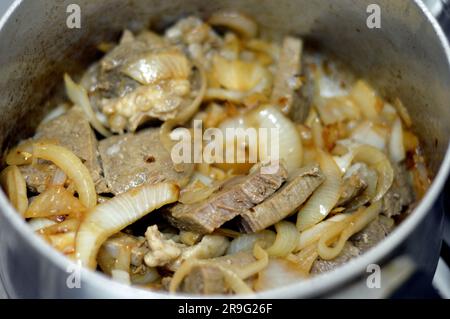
(403, 58)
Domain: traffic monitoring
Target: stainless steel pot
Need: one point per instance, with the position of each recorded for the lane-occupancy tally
(407, 57)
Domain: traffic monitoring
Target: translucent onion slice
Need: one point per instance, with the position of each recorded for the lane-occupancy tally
(262, 260)
(396, 146)
(366, 98)
(37, 224)
(72, 166)
(246, 242)
(305, 258)
(64, 242)
(21, 154)
(289, 142)
(286, 240)
(235, 21)
(14, 185)
(55, 201)
(378, 160)
(325, 197)
(78, 95)
(403, 112)
(119, 212)
(154, 67)
(359, 220)
(313, 234)
(224, 95)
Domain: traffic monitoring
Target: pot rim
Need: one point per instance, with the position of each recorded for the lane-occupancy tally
(312, 287)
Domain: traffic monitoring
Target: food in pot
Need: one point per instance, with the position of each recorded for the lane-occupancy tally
(101, 184)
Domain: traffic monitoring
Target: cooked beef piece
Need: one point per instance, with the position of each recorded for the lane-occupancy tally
(284, 201)
(233, 198)
(353, 186)
(375, 232)
(348, 252)
(73, 131)
(204, 280)
(133, 159)
(401, 194)
(287, 77)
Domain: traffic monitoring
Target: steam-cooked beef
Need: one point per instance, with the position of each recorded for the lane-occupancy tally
(287, 76)
(288, 198)
(233, 198)
(375, 232)
(133, 159)
(348, 252)
(73, 131)
(401, 194)
(204, 280)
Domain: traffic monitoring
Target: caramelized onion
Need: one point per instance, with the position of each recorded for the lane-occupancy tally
(235, 21)
(14, 185)
(114, 215)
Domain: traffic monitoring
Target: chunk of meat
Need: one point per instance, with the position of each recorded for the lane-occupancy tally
(375, 232)
(142, 78)
(348, 252)
(133, 159)
(204, 280)
(401, 194)
(287, 77)
(234, 197)
(284, 201)
(73, 131)
(162, 251)
(210, 246)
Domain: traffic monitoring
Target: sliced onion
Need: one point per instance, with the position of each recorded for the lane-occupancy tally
(111, 217)
(286, 240)
(365, 97)
(37, 224)
(396, 146)
(224, 95)
(14, 185)
(378, 160)
(403, 112)
(366, 134)
(78, 95)
(157, 66)
(21, 154)
(235, 21)
(55, 201)
(198, 192)
(325, 197)
(246, 242)
(238, 75)
(305, 258)
(64, 242)
(148, 276)
(358, 222)
(278, 273)
(72, 166)
(337, 109)
(313, 234)
(290, 145)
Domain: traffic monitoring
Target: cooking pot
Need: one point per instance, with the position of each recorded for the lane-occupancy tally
(407, 56)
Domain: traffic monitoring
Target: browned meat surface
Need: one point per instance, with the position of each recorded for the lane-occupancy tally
(287, 77)
(375, 232)
(73, 131)
(288, 198)
(204, 280)
(233, 198)
(401, 194)
(348, 252)
(133, 159)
